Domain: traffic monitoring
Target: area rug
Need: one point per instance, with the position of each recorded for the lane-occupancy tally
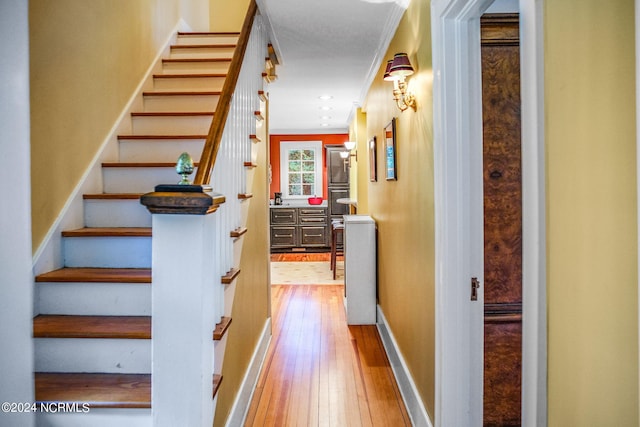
(305, 273)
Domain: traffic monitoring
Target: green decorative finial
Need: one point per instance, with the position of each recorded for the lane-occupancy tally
(184, 168)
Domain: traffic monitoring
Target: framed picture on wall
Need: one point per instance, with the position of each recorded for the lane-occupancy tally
(390, 150)
(373, 164)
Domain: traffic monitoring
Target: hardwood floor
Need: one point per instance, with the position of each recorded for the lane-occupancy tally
(321, 372)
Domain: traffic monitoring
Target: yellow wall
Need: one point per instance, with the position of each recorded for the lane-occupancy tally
(591, 213)
(359, 172)
(404, 209)
(227, 16)
(251, 307)
(87, 57)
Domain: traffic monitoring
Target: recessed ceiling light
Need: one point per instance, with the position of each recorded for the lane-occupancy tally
(325, 97)
(325, 117)
(325, 125)
(326, 108)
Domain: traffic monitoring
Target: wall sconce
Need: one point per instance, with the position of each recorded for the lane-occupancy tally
(397, 70)
(346, 155)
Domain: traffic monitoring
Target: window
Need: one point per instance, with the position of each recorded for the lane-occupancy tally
(301, 169)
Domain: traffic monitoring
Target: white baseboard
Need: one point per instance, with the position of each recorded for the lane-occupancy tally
(245, 394)
(412, 401)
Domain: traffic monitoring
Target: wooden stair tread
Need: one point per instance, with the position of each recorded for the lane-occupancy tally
(238, 232)
(230, 276)
(141, 165)
(244, 196)
(221, 328)
(217, 380)
(204, 46)
(112, 196)
(164, 137)
(172, 114)
(108, 232)
(97, 275)
(188, 75)
(181, 93)
(64, 326)
(185, 60)
(98, 390)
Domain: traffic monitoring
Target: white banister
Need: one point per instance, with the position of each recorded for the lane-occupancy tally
(192, 250)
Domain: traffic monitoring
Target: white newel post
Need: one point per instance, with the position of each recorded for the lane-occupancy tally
(183, 307)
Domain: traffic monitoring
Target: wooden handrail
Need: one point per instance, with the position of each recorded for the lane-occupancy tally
(214, 138)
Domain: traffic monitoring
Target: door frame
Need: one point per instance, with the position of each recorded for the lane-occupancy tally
(457, 90)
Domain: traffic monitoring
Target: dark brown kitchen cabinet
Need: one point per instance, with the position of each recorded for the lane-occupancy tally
(305, 227)
(337, 181)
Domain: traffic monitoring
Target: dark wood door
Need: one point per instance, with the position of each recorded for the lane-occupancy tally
(502, 220)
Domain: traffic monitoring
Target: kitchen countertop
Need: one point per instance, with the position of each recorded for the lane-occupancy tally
(297, 204)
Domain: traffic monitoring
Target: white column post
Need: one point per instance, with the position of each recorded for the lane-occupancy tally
(182, 320)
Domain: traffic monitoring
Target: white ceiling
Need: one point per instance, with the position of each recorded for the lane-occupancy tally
(325, 47)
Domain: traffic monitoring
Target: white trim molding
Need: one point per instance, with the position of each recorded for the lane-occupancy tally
(412, 400)
(240, 407)
(534, 289)
(458, 208)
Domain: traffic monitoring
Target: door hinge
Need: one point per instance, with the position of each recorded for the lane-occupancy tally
(475, 284)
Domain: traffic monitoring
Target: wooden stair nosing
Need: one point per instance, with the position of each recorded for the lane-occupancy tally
(238, 232)
(217, 380)
(245, 196)
(108, 232)
(189, 75)
(71, 326)
(255, 138)
(187, 60)
(204, 46)
(96, 275)
(208, 33)
(221, 328)
(250, 165)
(172, 113)
(151, 93)
(99, 390)
(160, 137)
(230, 276)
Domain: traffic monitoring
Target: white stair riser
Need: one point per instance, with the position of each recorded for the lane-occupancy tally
(159, 150)
(107, 252)
(138, 179)
(171, 125)
(203, 52)
(110, 356)
(97, 417)
(189, 83)
(180, 103)
(116, 213)
(99, 299)
(207, 39)
(195, 66)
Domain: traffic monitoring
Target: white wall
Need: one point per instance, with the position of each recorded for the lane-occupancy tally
(16, 282)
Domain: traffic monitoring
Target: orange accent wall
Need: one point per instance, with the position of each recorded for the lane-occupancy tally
(274, 141)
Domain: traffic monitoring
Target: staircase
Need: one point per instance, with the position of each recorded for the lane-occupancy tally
(93, 331)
